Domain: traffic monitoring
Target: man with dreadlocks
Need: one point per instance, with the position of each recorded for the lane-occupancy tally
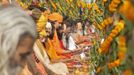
(17, 35)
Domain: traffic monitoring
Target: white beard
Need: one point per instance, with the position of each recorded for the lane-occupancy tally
(10, 70)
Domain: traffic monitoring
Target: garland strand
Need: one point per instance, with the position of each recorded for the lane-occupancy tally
(106, 44)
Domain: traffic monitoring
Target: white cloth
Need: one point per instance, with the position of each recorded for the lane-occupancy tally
(58, 68)
(72, 44)
(64, 40)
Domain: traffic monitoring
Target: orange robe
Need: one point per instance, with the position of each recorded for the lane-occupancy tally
(56, 44)
(51, 51)
(54, 49)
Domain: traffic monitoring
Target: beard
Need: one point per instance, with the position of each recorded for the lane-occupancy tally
(14, 67)
(11, 68)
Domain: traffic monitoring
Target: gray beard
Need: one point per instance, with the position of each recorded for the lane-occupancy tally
(14, 70)
(11, 69)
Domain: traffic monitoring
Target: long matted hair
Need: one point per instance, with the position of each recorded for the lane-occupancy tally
(14, 23)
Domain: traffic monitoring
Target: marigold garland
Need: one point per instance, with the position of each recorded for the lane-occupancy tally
(105, 23)
(122, 47)
(41, 25)
(53, 5)
(96, 7)
(121, 54)
(106, 44)
(113, 5)
(126, 9)
(83, 4)
(114, 64)
(69, 1)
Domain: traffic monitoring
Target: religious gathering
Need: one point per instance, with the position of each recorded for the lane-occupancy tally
(66, 37)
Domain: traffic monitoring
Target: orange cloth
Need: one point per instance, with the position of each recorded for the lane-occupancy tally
(51, 51)
(54, 49)
(55, 17)
(56, 44)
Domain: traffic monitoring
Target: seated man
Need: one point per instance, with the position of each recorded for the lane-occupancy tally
(78, 34)
(40, 52)
(55, 51)
(17, 35)
(55, 20)
(53, 47)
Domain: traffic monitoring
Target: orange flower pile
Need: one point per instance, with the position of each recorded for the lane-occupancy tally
(105, 23)
(114, 4)
(106, 44)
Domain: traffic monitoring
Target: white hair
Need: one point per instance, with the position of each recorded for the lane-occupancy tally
(14, 22)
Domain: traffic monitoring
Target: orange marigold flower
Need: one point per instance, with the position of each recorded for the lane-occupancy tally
(128, 72)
